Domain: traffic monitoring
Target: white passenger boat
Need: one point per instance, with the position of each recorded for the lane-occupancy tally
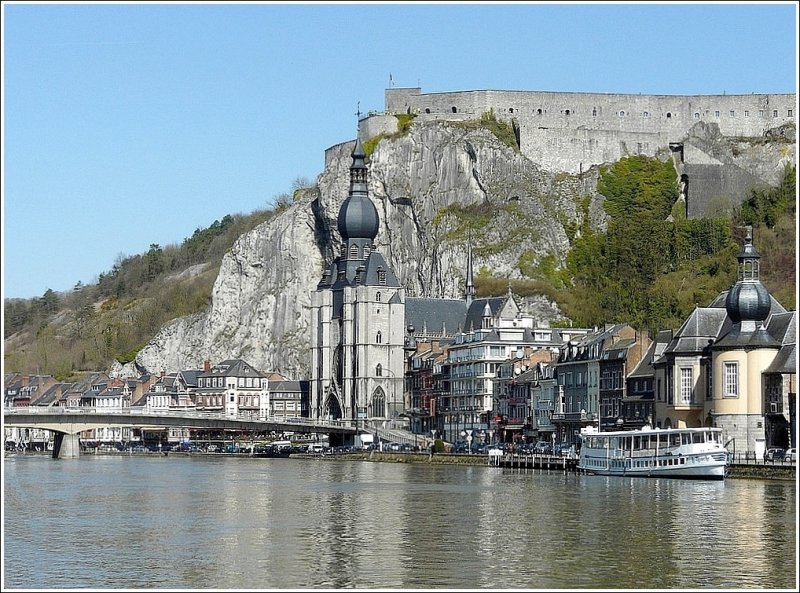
(695, 453)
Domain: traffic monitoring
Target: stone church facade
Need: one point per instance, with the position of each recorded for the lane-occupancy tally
(357, 320)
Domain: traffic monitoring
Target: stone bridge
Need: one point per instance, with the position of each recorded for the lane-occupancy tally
(67, 423)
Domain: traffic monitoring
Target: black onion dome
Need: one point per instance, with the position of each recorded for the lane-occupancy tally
(358, 218)
(748, 301)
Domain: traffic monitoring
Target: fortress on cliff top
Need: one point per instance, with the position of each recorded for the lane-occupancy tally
(572, 132)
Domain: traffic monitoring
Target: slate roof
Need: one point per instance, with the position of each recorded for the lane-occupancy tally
(232, 368)
(645, 367)
(782, 327)
(617, 351)
(702, 325)
(52, 395)
(434, 316)
(719, 303)
(285, 387)
(785, 362)
(475, 312)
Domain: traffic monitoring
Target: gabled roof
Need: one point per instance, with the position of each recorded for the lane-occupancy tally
(476, 311)
(190, 377)
(52, 395)
(232, 368)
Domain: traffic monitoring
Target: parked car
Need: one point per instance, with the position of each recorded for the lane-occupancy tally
(774, 454)
(790, 455)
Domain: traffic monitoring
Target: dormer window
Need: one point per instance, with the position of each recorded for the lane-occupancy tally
(382, 277)
(354, 252)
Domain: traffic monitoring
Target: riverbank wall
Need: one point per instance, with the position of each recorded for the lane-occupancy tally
(759, 471)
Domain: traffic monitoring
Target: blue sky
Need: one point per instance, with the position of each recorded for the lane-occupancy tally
(131, 124)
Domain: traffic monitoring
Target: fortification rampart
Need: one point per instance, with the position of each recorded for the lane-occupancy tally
(574, 131)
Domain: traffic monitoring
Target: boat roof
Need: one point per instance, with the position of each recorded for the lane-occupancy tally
(616, 433)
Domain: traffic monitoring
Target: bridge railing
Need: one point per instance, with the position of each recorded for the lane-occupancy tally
(188, 413)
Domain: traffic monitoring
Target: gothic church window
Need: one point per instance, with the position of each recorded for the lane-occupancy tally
(379, 371)
(378, 407)
(379, 338)
(455, 110)
(378, 297)
(669, 115)
(594, 111)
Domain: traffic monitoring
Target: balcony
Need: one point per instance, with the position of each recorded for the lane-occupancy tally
(575, 417)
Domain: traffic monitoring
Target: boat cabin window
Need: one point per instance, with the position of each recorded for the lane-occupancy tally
(697, 437)
(675, 440)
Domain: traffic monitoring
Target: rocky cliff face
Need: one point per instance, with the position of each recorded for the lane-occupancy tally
(435, 188)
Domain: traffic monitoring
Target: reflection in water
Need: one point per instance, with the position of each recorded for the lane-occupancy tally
(215, 522)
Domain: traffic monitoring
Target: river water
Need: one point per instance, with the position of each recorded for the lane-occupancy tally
(216, 522)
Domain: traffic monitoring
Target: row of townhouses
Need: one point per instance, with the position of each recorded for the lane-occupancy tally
(232, 388)
(731, 364)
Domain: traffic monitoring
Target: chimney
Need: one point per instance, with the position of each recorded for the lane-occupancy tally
(206, 365)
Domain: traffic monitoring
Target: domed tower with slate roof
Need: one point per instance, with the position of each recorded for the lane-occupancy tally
(358, 319)
(744, 348)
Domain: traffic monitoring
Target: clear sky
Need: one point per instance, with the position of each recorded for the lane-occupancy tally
(131, 124)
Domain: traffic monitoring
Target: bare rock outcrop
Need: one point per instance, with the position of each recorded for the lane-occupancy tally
(436, 188)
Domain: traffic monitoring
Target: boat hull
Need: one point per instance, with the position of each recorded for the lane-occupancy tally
(710, 472)
(688, 453)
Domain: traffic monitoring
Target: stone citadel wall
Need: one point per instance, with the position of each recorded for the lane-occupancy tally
(571, 132)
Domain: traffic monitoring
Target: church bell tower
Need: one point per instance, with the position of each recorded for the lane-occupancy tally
(358, 319)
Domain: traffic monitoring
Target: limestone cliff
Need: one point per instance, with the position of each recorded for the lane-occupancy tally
(435, 187)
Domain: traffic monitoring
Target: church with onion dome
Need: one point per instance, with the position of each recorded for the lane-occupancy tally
(357, 319)
(733, 365)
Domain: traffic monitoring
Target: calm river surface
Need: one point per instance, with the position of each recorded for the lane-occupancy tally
(206, 522)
